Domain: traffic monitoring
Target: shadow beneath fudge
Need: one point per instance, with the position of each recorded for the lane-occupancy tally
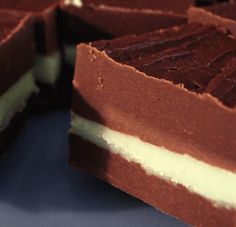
(208, 2)
(35, 175)
(53, 97)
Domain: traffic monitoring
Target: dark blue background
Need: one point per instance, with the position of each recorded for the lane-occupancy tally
(38, 188)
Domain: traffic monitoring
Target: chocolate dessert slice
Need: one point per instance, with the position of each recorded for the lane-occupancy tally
(90, 20)
(48, 58)
(154, 115)
(218, 15)
(16, 67)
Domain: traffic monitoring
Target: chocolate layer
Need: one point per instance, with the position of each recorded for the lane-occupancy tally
(191, 55)
(16, 47)
(218, 15)
(155, 110)
(45, 16)
(161, 194)
(106, 19)
(10, 133)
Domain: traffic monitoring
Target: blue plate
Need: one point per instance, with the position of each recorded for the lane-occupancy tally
(39, 189)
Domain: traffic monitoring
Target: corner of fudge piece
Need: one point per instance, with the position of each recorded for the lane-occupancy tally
(125, 123)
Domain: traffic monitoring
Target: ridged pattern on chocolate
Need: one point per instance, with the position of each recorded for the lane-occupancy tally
(191, 55)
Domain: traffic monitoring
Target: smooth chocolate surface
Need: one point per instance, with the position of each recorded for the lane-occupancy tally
(107, 19)
(191, 55)
(153, 109)
(163, 195)
(45, 16)
(16, 47)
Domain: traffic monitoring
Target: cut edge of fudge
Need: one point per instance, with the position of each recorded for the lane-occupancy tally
(19, 84)
(217, 114)
(164, 195)
(201, 100)
(103, 143)
(177, 47)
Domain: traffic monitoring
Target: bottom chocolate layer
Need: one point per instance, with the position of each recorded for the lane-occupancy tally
(8, 135)
(163, 195)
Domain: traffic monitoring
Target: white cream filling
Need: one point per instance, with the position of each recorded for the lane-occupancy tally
(77, 3)
(15, 98)
(211, 182)
(70, 53)
(47, 68)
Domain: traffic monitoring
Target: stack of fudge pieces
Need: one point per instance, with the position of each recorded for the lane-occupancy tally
(16, 65)
(47, 56)
(153, 109)
(154, 115)
(54, 29)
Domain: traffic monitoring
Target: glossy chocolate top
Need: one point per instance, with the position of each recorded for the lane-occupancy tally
(227, 10)
(192, 55)
(27, 5)
(179, 6)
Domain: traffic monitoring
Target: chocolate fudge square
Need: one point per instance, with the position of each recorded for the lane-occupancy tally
(154, 115)
(16, 66)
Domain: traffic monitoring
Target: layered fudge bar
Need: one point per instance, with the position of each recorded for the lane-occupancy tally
(17, 82)
(89, 20)
(154, 115)
(218, 15)
(48, 58)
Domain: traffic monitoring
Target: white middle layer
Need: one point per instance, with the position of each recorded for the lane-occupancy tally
(14, 99)
(70, 54)
(77, 3)
(47, 68)
(213, 183)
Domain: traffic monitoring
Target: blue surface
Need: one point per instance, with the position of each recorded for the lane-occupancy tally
(38, 188)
